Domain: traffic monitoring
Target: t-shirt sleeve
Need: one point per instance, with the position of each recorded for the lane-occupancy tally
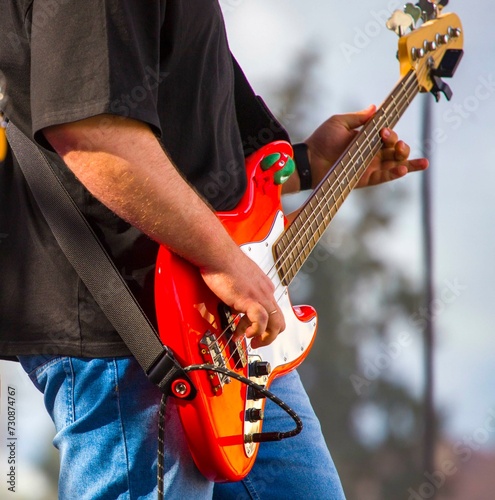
(94, 57)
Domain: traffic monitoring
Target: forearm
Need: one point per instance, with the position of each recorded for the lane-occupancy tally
(124, 166)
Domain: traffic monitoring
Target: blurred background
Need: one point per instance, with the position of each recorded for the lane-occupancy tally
(399, 424)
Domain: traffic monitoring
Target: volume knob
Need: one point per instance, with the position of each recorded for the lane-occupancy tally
(254, 414)
(259, 368)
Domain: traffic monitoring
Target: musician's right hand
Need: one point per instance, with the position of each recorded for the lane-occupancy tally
(246, 289)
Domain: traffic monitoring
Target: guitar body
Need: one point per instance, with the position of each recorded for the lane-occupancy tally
(221, 420)
(191, 320)
(3, 141)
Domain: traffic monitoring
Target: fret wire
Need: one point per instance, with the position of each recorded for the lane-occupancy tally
(408, 84)
(376, 127)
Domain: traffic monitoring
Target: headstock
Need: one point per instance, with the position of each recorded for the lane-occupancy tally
(432, 50)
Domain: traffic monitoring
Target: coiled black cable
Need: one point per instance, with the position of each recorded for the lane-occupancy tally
(258, 437)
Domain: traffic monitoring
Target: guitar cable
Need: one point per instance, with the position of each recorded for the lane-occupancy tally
(259, 437)
(161, 444)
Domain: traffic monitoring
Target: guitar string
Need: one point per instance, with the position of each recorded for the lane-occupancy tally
(377, 125)
(407, 84)
(308, 225)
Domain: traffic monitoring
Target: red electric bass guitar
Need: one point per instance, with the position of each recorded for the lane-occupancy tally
(221, 420)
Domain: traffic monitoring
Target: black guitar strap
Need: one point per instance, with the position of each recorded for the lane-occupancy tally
(84, 251)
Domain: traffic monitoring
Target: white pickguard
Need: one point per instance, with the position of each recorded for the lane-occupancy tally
(298, 335)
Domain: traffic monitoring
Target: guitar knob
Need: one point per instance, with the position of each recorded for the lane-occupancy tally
(270, 161)
(254, 414)
(254, 395)
(259, 369)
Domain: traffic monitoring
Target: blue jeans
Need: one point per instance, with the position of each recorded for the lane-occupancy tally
(105, 413)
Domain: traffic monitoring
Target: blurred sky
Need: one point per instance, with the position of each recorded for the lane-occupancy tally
(358, 67)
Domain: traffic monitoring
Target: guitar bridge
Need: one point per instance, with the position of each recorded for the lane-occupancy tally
(238, 352)
(212, 353)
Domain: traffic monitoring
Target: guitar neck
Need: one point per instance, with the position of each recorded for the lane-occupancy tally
(301, 236)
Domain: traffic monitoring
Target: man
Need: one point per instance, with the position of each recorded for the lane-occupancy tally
(137, 99)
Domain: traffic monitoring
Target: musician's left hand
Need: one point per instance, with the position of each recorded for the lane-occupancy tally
(330, 139)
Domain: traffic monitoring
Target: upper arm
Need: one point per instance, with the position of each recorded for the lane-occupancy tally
(94, 58)
(101, 133)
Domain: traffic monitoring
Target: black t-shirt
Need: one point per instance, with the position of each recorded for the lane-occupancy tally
(166, 63)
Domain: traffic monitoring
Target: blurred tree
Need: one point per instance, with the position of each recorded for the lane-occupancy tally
(366, 304)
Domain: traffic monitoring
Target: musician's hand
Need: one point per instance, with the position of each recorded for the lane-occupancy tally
(329, 140)
(246, 289)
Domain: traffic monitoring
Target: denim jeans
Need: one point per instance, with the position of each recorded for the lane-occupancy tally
(105, 413)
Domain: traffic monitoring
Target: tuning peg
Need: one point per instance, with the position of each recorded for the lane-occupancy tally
(413, 11)
(441, 39)
(453, 32)
(439, 86)
(400, 22)
(440, 5)
(428, 9)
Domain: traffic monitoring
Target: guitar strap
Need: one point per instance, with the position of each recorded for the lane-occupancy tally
(84, 251)
(89, 258)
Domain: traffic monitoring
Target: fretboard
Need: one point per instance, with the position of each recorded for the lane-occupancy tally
(299, 239)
